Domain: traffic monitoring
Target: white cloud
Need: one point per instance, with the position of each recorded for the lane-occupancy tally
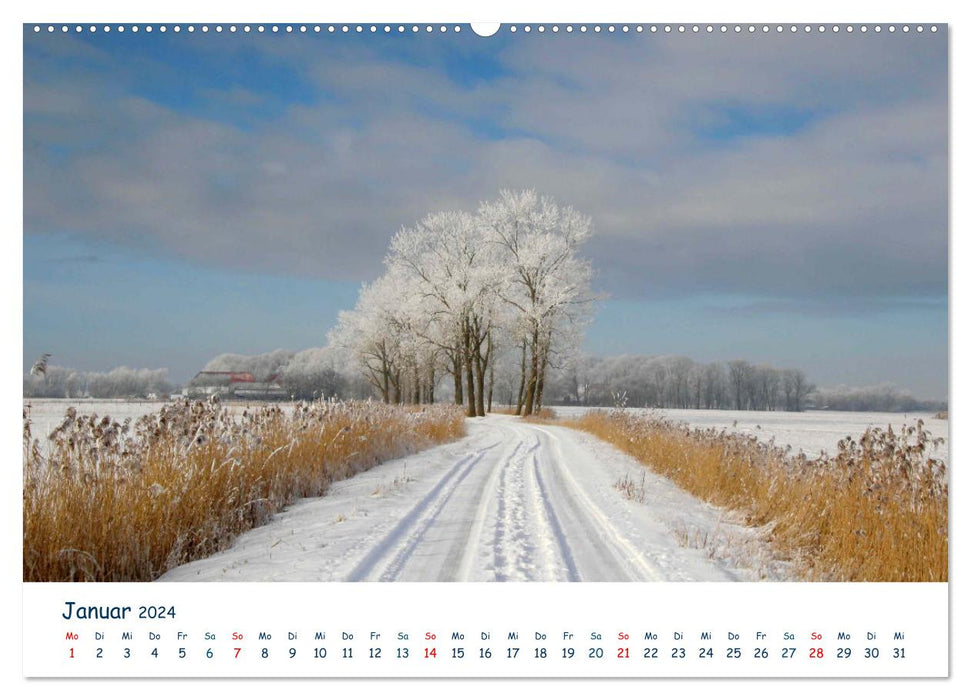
(608, 124)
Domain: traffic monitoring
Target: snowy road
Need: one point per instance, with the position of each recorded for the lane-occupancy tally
(510, 502)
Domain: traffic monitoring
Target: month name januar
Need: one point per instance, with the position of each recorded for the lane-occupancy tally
(95, 612)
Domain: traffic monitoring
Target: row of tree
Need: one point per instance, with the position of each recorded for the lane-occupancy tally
(460, 290)
(883, 397)
(119, 383)
(679, 382)
(634, 380)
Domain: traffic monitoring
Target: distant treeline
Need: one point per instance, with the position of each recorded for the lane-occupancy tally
(119, 383)
(679, 382)
(631, 380)
(884, 397)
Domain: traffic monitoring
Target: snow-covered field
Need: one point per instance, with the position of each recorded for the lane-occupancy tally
(47, 414)
(810, 431)
(510, 502)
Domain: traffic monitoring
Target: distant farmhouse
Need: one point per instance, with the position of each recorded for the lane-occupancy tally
(235, 385)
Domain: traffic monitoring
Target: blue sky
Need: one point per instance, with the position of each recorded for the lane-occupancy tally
(777, 198)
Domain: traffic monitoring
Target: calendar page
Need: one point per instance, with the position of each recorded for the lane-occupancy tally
(538, 350)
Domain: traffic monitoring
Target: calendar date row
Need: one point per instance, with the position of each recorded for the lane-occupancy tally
(488, 652)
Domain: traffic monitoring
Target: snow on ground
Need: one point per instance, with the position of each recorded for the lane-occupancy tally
(810, 431)
(510, 502)
(47, 414)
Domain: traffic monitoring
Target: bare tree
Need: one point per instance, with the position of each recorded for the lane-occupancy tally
(739, 373)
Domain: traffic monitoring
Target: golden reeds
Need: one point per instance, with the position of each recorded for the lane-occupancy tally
(105, 501)
(877, 510)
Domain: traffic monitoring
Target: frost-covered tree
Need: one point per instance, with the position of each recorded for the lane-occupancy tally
(54, 382)
(118, 383)
(740, 372)
(883, 397)
(312, 374)
(371, 334)
(714, 385)
(546, 281)
(677, 382)
(795, 388)
(461, 290)
(261, 366)
(452, 275)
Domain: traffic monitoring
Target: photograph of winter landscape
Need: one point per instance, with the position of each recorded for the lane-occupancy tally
(572, 303)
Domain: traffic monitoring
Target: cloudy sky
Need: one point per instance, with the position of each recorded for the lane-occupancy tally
(779, 198)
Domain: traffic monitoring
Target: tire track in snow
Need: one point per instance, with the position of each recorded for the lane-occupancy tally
(512, 501)
(501, 524)
(518, 527)
(625, 552)
(430, 504)
(572, 574)
(462, 556)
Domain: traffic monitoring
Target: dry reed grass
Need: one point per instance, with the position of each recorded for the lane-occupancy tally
(875, 511)
(504, 410)
(545, 415)
(126, 502)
